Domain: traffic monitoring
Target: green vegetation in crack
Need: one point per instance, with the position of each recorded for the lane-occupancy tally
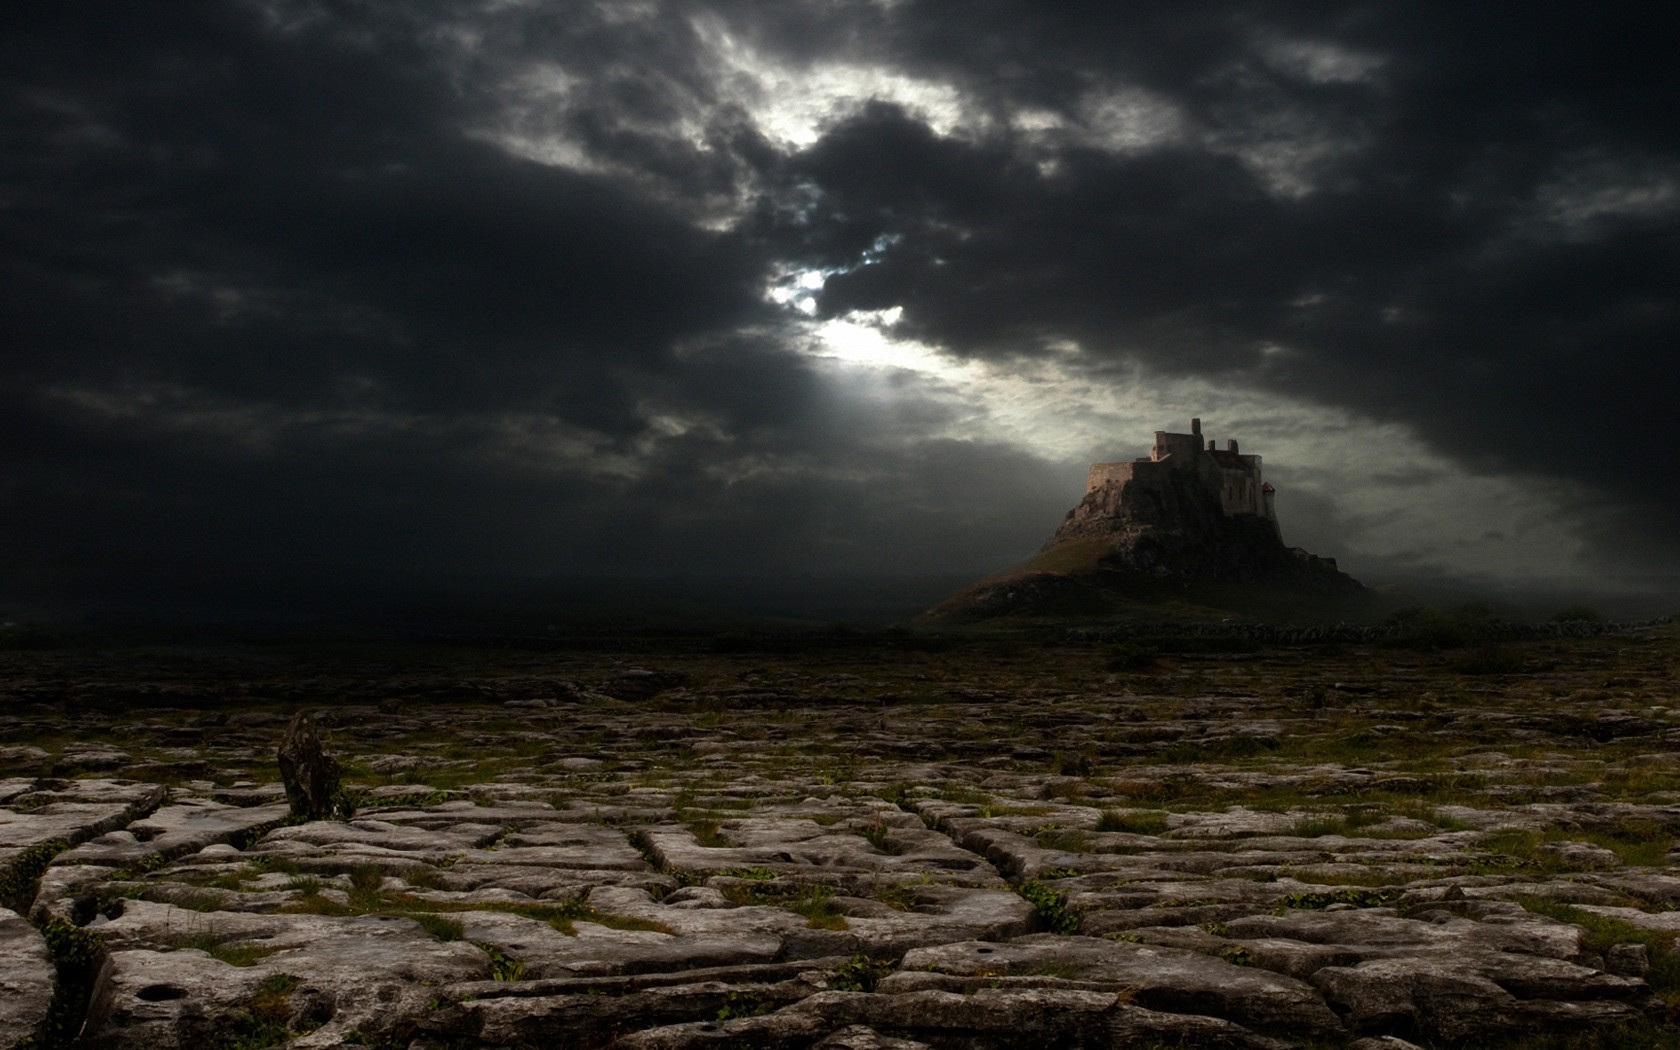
(860, 973)
(21, 879)
(503, 967)
(1050, 906)
(76, 955)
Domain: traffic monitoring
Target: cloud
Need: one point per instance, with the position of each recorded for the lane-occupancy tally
(297, 290)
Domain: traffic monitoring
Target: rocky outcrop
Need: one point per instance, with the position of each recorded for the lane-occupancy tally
(1170, 522)
(309, 773)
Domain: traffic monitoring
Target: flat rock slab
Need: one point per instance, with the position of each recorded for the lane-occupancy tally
(26, 978)
(796, 845)
(368, 973)
(1156, 977)
(72, 812)
(175, 831)
(990, 1017)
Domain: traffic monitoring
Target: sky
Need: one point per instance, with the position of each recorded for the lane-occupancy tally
(334, 292)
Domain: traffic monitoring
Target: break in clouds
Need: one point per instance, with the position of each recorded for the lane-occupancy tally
(325, 291)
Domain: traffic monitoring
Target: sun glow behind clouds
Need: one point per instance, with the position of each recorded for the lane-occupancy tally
(1394, 501)
(1031, 403)
(795, 104)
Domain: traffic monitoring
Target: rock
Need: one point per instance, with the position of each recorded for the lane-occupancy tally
(21, 755)
(1628, 960)
(175, 831)
(1001, 1017)
(310, 774)
(91, 760)
(1158, 978)
(26, 979)
(862, 1037)
(1451, 1002)
(642, 684)
(672, 1013)
(371, 974)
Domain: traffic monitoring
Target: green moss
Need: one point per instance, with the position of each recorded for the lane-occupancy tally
(20, 879)
(1359, 897)
(271, 1001)
(1050, 906)
(860, 973)
(878, 833)
(706, 834)
(76, 955)
(816, 904)
(266, 1018)
(1319, 825)
(503, 967)
(1602, 932)
(223, 947)
(1136, 822)
(441, 928)
(1640, 843)
(738, 1005)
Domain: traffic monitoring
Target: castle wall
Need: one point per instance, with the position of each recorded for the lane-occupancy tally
(1235, 478)
(1108, 474)
(1184, 446)
(1238, 492)
(1144, 471)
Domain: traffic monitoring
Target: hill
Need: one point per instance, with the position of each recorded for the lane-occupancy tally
(1185, 533)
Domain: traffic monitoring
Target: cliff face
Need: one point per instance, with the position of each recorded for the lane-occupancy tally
(1168, 522)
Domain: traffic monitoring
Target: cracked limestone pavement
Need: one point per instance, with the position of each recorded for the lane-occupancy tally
(977, 846)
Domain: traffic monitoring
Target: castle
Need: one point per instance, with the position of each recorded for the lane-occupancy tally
(1236, 476)
(1186, 512)
(1195, 511)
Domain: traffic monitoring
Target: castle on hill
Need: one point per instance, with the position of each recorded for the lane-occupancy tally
(1194, 510)
(1188, 511)
(1236, 476)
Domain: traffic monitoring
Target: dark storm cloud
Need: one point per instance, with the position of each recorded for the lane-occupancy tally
(1488, 250)
(268, 306)
(332, 288)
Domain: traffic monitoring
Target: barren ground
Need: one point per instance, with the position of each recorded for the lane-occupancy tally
(844, 841)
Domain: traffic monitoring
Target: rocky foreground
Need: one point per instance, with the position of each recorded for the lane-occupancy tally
(848, 847)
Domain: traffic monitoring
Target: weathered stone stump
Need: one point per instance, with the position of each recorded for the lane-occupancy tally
(310, 774)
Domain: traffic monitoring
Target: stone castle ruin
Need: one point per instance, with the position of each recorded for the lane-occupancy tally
(1241, 488)
(1196, 511)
